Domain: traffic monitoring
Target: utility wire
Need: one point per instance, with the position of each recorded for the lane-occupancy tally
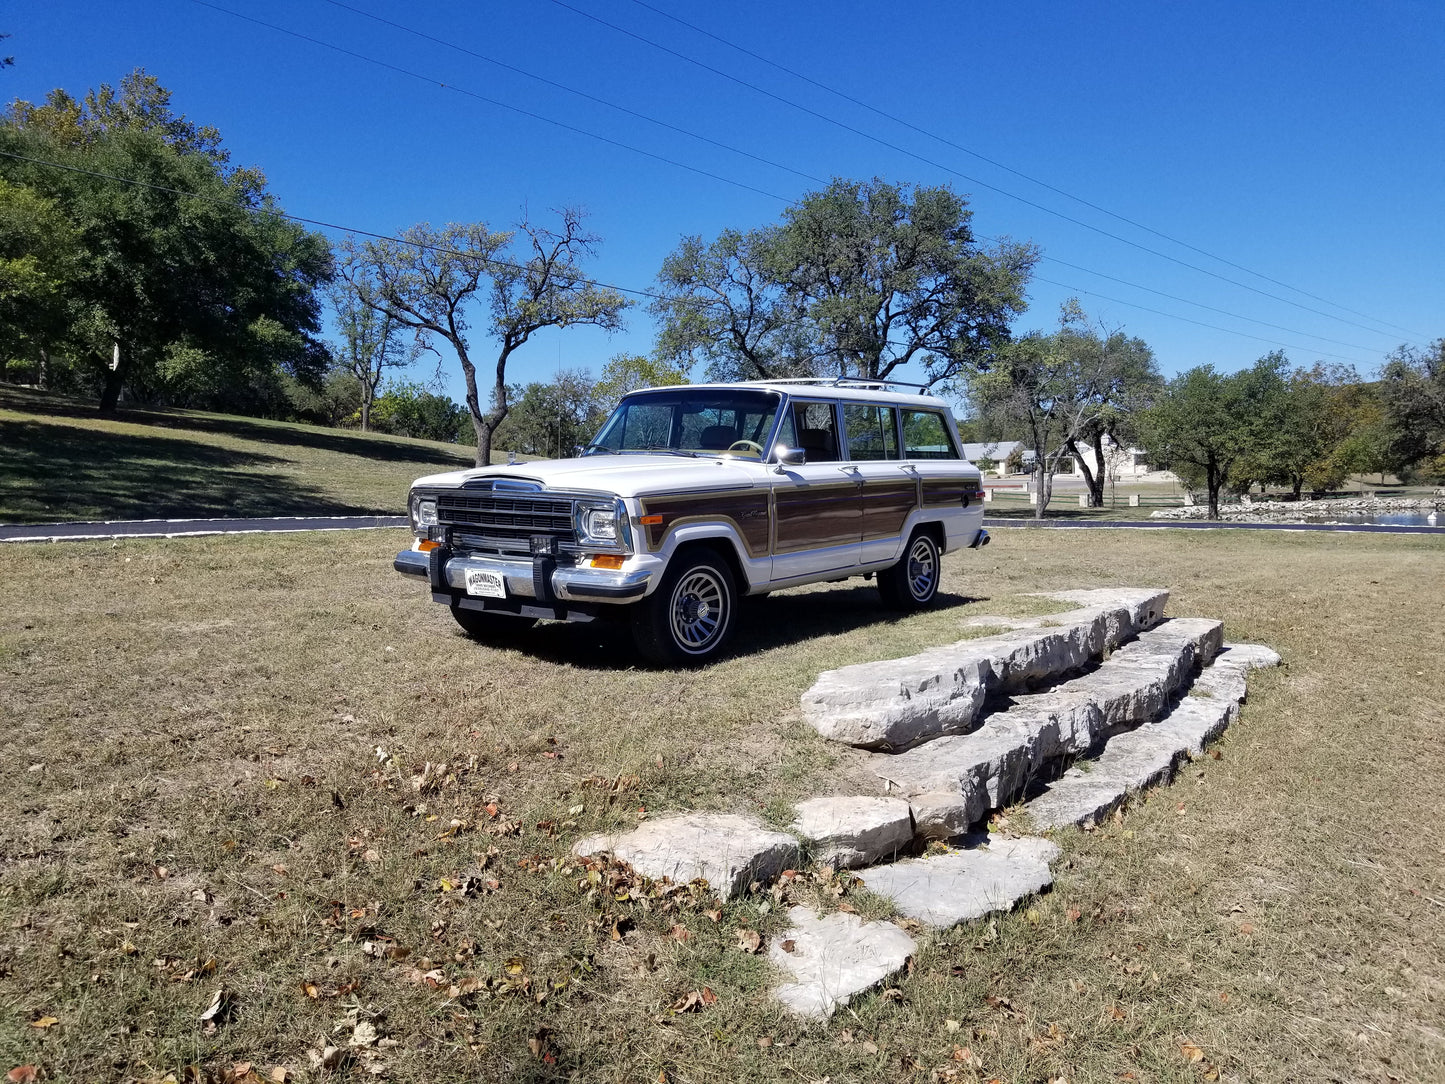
(957, 173)
(1006, 168)
(653, 120)
(483, 98)
(650, 294)
(573, 90)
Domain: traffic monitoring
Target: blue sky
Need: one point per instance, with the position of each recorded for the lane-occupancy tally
(1300, 141)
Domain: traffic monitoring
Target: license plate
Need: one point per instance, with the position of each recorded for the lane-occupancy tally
(486, 582)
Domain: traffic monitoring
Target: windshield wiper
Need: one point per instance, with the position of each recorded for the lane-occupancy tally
(600, 447)
(663, 451)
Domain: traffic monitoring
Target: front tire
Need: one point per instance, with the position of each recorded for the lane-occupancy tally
(689, 618)
(912, 584)
(490, 628)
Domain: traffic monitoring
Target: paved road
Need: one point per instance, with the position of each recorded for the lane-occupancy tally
(187, 528)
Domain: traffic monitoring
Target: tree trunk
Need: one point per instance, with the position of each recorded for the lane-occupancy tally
(114, 381)
(1041, 477)
(1095, 482)
(42, 376)
(1214, 479)
(1298, 484)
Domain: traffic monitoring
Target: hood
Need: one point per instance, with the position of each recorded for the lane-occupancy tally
(619, 475)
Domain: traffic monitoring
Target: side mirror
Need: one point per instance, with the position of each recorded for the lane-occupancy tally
(788, 457)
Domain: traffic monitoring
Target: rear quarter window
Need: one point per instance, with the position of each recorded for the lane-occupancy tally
(926, 436)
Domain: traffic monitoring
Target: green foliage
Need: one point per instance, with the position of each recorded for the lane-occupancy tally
(553, 420)
(1059, 390)
(1412, 393)
(859, 278)
(1208, 423)
(208, 292)
(410, 410)
(430, 280)
(628, 372)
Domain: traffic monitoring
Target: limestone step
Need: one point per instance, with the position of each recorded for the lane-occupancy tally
(896, 703)
(727, 851)
(952, 781)
(848, 832)
(967, 884)
(831, 959)
(1147, 756)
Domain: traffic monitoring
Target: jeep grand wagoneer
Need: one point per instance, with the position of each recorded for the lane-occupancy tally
(693, 496)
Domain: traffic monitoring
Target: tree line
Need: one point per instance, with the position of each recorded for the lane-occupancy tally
(138, 262)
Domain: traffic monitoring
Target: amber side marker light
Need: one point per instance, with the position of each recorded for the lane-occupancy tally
(650, 521)
(427, 546)
(607, 560)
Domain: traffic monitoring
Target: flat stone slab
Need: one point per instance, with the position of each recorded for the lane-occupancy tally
(726, 850)
(834, 958)
(965, 885)
(896, 703)
(952, 781)
(848, 832)
(1147, 756)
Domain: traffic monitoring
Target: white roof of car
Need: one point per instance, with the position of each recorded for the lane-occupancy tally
(826, 388)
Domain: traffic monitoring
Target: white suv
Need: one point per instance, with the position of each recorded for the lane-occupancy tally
(695, 495)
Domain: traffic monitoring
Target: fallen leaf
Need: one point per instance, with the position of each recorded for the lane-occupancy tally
(679, 932)
(764, 1042)
(279, 1074)
(789, 945)
(1216, 754)
(869, 1047)
(1190, 1051)
(364, 1034)
(1117, 1013)
(967, 1057)
(715, 914)
(844, 905)
(1073, 914)
(708, 997)
(951, 1025)
(750, 941)
(45, 1022)
(23, 1074)
(217, 1007)
(1246, 928)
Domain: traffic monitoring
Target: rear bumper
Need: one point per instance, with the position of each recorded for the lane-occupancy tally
(540, 578)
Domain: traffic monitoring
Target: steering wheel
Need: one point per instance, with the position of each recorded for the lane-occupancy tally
(747, 446)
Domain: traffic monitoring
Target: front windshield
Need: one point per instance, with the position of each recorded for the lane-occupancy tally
(693, 421)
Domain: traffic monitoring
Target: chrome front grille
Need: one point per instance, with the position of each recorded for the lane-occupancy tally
(492, 522)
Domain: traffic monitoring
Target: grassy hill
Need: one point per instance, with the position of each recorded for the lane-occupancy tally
(61, 461)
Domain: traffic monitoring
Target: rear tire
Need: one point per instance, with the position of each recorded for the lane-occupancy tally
(912, 584)
(490, 628)
(689, 618)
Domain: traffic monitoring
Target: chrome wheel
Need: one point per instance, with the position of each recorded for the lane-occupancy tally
(922, 569)
(698, 610)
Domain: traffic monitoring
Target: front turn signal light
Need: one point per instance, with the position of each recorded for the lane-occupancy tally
(608, 560)
(427, 545)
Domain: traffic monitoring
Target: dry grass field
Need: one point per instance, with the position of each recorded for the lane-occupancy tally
(262, 800)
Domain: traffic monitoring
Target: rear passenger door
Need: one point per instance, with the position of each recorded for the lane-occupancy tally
(888, 485)
(816, 514)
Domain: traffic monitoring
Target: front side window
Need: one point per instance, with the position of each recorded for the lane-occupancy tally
(817, 430)
(694, 421)
(926, 436)
(872, 431)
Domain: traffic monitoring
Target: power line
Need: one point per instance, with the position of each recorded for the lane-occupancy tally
(653, 120)
(320, 223)
(483, 98)
(443, 250)
(1006, 168)
(949, 169)
(572, 90)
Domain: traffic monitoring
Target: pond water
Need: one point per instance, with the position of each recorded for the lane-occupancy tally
(1392, 519)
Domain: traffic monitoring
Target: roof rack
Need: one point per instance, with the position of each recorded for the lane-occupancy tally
(852, 381)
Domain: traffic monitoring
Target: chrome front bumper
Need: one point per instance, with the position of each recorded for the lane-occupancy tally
(568, 583)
